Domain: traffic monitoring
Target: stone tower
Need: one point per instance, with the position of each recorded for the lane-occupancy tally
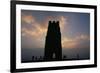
(53, 45)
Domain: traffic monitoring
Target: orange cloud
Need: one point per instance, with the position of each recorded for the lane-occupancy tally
(28, 19)
(37, 36)
(63, 22)
(33, 30)
(38, 31)
(68, 42)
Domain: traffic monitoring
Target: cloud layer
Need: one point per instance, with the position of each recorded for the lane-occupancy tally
(34, 31)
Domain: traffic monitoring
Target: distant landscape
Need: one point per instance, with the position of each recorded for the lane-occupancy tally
(68, 54)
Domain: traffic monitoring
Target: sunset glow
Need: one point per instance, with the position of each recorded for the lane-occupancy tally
(34, 29)
(74, 28)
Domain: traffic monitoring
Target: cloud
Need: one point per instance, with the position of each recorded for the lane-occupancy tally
(63, 22)
(36, 31)
(28, 19)
(75, 42)
(31, 27)
(34, 28)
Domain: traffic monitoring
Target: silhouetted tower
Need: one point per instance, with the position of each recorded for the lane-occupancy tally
(53, 42)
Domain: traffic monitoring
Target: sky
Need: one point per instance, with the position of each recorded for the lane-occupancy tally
(74, 27)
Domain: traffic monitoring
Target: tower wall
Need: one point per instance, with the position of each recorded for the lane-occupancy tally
(53, 42)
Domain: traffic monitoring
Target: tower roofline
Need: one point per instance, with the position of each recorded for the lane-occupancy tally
(54, 22)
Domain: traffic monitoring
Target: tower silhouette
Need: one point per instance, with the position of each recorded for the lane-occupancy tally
(53, 42)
